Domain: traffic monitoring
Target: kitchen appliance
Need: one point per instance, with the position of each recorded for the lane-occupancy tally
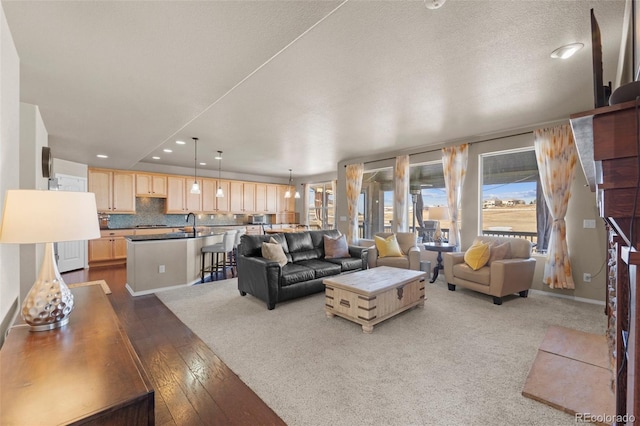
(258, 219)
(103, 220)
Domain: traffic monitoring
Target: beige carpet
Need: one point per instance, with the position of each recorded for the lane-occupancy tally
(461, 360)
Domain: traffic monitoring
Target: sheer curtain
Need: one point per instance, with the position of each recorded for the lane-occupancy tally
(305, 204)
(454, 166)
(401, 194)
(354, 185)
(557, 157)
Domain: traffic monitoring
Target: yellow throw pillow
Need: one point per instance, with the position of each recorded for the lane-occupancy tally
(477, 255)
(388, 247)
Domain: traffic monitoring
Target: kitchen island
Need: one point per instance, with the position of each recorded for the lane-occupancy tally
(163, 261)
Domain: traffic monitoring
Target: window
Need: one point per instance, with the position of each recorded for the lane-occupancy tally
(377, 200)
(321, 206)
(512, 201)
(427, 190)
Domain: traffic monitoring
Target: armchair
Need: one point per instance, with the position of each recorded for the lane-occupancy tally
(498, 278)
(410, 258)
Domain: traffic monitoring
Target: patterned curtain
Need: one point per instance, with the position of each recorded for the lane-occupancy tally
(557, 157)
(354, 185)
(454, 165)
(401, 195)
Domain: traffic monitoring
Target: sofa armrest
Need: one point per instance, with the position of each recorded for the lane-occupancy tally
(259, 277)
(449, 261)
(414, 258)
(372, 256)
(510, 276)
(360, 252)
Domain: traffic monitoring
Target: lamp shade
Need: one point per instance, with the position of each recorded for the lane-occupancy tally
(438, 213)
(33, 216)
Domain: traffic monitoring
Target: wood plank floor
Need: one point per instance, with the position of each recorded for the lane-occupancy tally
(192, 385)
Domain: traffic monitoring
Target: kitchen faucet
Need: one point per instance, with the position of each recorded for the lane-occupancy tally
(194, 222)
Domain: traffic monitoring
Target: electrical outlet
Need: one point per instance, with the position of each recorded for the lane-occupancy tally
(586, 277)
(589, 223)
(161, 269)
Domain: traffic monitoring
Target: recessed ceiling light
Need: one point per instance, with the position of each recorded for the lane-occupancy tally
(102, 156)
(203, 164)
(167, 150)
(180, 142)
(566, 51)
(156, 158)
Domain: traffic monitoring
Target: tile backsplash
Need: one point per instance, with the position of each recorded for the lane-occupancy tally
(150, 211)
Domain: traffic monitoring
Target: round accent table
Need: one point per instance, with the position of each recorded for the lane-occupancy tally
(439, 247)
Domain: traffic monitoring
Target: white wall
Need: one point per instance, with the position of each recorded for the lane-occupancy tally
(69, 168)
(9, 164)
(33, 136)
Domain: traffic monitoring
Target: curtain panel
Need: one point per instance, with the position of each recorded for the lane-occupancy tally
(401, 195)
(557, 157)
(354, 185)
(305, 204)
(454, 165)
(334, 187)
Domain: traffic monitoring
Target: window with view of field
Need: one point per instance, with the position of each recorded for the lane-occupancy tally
(375, 205)
(512, 203)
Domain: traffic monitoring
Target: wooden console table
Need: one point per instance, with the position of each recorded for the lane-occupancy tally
(83, 373)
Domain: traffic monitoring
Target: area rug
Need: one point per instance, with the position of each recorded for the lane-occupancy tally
(459, 360)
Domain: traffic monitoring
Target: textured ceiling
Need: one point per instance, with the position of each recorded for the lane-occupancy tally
(299, 85)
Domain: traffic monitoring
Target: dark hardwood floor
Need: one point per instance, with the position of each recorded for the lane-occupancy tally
(192, 385)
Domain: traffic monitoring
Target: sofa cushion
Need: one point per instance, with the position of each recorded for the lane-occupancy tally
(477, 255)
(273, 251)
(321, 268)
(395, 262)
(499, 251)
(387, 246)
(298, 241)
(406, 241)
(317, 237)
(295, 273)
(464, 271)
(335, 247)
(251, 245)
(347, 263)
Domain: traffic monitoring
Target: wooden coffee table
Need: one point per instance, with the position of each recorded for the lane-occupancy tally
(373, 295)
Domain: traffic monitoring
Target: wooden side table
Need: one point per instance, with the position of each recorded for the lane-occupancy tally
(439, 247)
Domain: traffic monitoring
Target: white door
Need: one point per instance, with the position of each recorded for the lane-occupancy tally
(71, 254)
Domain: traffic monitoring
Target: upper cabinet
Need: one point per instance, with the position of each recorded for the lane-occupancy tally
(211, 203)
(114, 190)
(179, 196)
(266, 198)
(151, 185)
(285, 205)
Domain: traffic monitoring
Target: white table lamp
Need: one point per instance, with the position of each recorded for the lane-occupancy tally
(32, 216)
(438, 213)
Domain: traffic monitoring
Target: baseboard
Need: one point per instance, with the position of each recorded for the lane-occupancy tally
(564, 296)
(156, 290)
(9, 319)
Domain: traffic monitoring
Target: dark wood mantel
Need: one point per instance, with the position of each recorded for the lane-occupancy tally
(85, 372)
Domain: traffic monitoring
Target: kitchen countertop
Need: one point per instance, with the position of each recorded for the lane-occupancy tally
(174, 235)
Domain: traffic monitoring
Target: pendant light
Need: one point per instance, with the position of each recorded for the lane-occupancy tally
(219, 192)
(195, 188)
(288, 193)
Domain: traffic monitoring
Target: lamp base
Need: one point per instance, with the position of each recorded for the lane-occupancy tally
(49, 302)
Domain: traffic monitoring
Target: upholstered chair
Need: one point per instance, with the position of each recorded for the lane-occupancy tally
(408, 258)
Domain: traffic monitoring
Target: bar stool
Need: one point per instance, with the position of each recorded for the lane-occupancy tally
(222, 248)
(234, 253)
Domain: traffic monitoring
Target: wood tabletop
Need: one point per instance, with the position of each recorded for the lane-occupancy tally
(85, 370)
(375, 280)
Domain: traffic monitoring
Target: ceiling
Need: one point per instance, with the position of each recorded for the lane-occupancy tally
(302, 85)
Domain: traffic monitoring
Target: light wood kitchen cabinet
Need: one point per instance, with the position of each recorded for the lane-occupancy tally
(110, 248)
(236, 196)
(151, 185)
(211, 203)
(266, 198)
(254, 230)
(285, 204)
(249, 197)
(179, 196)
(114, 190)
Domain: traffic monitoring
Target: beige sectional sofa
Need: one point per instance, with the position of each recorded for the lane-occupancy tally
(498, 279)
